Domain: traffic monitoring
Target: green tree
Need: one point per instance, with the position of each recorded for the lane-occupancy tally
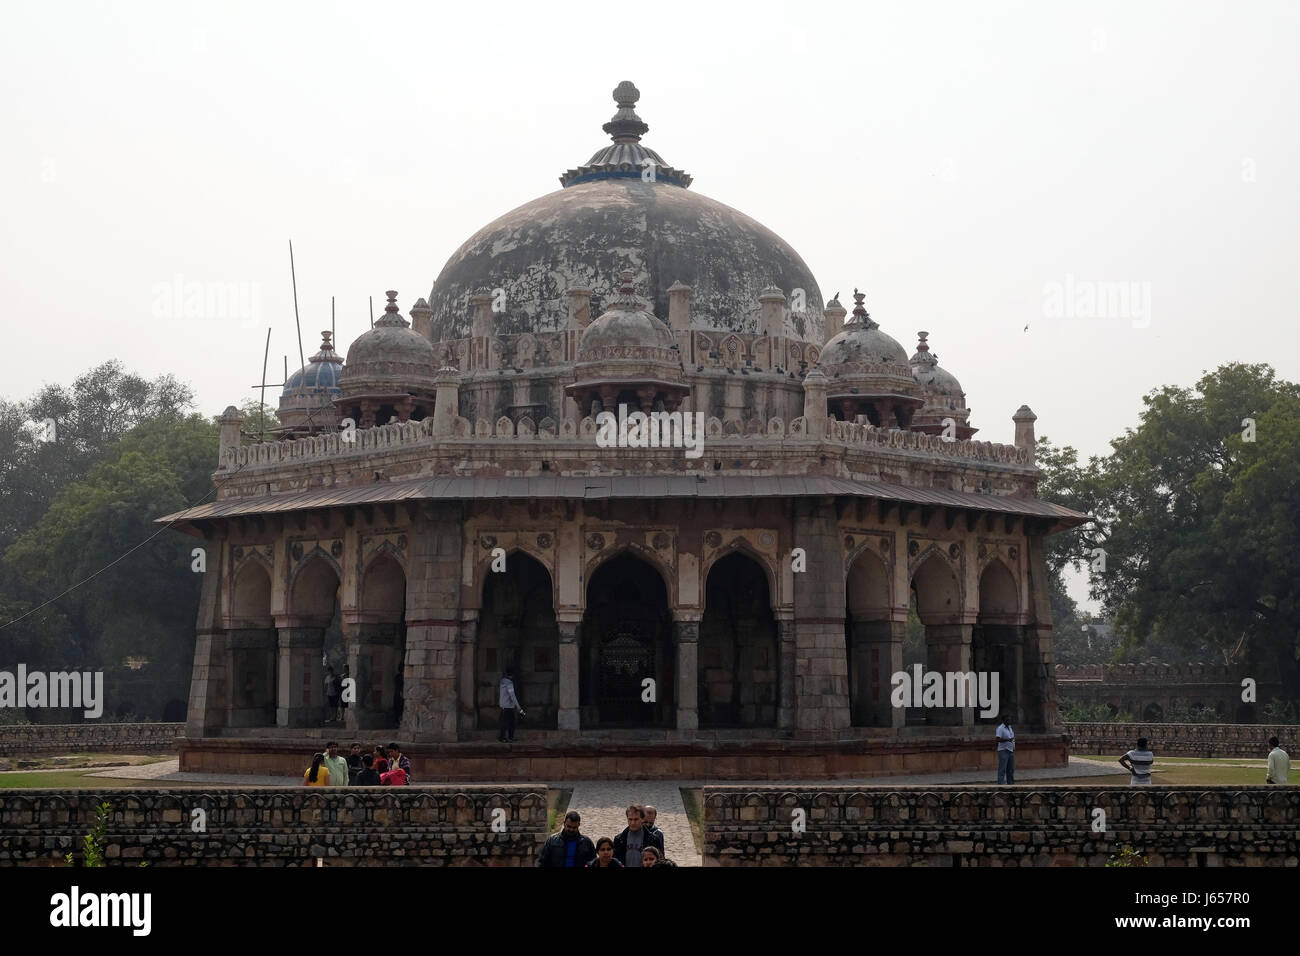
(1198, 515)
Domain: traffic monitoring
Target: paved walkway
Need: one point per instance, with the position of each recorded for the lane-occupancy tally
(603, 805)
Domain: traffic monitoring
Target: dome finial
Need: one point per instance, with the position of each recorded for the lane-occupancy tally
(860, 314)
(626, 126)
(923, 354)
(392, 317)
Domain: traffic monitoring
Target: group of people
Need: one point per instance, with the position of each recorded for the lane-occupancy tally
(641, 844)
(1137, 762)
(382, 767)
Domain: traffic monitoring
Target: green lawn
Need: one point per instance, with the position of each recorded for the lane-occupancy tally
(1183, 771)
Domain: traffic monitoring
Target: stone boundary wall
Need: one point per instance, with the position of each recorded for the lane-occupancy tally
(1182, 740)
(25, 740)
(289, 826)
(1145, 673)
(1003, 826)
(567, 759)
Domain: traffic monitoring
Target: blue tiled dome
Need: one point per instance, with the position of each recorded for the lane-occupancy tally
(324, 371)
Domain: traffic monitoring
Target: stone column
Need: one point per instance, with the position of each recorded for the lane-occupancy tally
(1038, 699)
(785, 649)
(822, 680)
(300, 696)
(814, 403)
(569, 717)
(208, 680)
(433, 625)
(948, 650)
(467, 692)
(250, 668)
(373, 664)
(834, 314)
(686, 635)
(1024, 419)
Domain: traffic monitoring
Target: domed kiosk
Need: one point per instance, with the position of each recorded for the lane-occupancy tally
(755, 563)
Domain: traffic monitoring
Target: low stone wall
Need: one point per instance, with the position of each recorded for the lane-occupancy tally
(564, 756)
(1004, 826)
(281, 826)
(1181, 740)
(23, 740)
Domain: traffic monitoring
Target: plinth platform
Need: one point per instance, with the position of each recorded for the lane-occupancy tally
(637, 754)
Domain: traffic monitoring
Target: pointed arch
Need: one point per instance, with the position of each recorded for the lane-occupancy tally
(517, 631)
(741, 545)
(738, 655)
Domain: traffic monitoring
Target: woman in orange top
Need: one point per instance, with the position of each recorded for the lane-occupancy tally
(317, 776)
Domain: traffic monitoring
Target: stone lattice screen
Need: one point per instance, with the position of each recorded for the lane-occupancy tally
(26, 740)
(1041, 826)
(282, 826)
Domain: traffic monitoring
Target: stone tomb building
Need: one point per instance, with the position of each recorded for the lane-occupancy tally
(760, 575)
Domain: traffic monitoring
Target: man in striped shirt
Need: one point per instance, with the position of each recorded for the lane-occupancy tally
(1138, 764)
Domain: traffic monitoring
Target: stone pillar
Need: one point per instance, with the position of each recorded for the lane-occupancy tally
(446, 406)
(422, 319)
(569, 717)
(834, 314)
(579, 308)
(300, 696)
(433, 625)
(814, 403)
(785, 709)
(228, 442)
(1038, 699)
(467, 691)
(373, 662)
(686, 636)
(209, 684)
(1024, 419)
(250, 673)
(948, 650)
(772, 308)
(822, 680)
(481, 324)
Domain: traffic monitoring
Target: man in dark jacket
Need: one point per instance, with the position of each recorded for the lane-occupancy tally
(568, 848)
(629, 843)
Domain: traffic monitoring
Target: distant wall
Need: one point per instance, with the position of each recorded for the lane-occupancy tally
(1182, 740)
(27, 740)
(1149, 691)
(1021, 826)
(291, 826)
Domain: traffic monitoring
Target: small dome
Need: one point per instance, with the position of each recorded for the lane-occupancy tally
(324, 369)
(926, 371)
(862, 343)
(628, 323)
(391, 357)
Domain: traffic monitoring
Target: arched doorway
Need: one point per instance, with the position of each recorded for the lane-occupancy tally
(938, 605)
(997, 644)
(868, 638)
(626, 638)
(313, 614)
(252, 649)
(738, 647)
(517, 632)
(376, 656)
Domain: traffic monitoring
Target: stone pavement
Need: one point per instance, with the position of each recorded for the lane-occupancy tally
(603, 805)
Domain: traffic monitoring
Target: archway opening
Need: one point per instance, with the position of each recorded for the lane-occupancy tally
(738, 647)
(517, 632)
(868, 638)
(938, 607)
(252, 649)
(305, 648)
(627, 641)
(997, 643)
(376, 656)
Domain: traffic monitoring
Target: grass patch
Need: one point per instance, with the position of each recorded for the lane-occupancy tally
(693, 801)
(80, 780)
(1184, 771)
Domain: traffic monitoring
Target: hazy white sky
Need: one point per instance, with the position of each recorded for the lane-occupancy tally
(975, 168)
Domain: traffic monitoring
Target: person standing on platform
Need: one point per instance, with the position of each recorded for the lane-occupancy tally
(1279, 763)
(509, 703)
(1006, 751)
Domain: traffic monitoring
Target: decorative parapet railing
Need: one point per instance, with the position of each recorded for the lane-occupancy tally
(412, 434)
(1146, 673)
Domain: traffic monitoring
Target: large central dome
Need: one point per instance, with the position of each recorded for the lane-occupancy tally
(624, 209)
